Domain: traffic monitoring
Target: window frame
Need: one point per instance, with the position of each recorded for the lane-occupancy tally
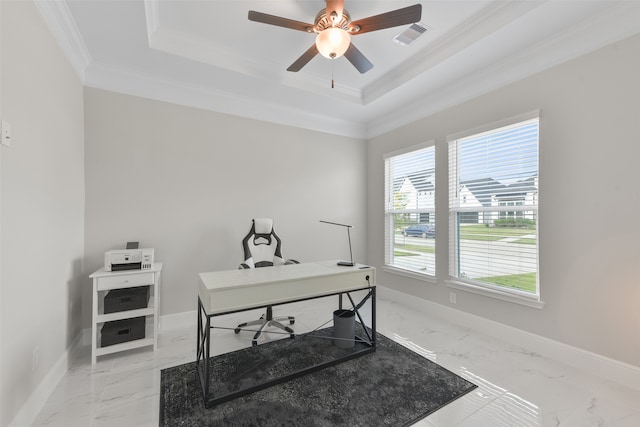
(469, 285)
(389, 211)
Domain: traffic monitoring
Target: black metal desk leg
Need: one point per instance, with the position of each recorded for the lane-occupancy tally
(373, 315)
(207, 334)
(203, 343)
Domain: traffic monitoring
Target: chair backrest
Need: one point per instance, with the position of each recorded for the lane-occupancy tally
(262, 246)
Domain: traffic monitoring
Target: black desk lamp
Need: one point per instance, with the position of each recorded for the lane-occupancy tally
(344, 263)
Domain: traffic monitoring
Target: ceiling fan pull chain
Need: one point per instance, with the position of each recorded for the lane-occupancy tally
(332, 59)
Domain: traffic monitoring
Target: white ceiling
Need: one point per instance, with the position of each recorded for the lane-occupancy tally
(207, 54)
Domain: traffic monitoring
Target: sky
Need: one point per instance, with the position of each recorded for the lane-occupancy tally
(507, 155)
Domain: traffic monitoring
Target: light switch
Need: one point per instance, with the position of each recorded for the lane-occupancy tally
(6, 134)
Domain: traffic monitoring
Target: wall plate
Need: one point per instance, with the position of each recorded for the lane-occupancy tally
(6, 134)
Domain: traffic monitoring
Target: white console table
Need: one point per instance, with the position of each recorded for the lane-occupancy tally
(104, 281)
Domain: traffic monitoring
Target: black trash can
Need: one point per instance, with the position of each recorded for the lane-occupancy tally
(344, 328)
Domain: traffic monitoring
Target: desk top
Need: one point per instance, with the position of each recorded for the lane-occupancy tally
(234, 290)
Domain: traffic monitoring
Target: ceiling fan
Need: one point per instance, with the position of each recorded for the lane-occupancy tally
(333, 28)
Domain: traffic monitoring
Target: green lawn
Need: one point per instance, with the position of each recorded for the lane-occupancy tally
(525, 241)
(417, 248)
(491, 234)
(524, 281)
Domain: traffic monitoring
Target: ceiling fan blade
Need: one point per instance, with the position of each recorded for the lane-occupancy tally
(304, 59)
(335, 6)
(358, 60)
(407, 15)
(279, 21)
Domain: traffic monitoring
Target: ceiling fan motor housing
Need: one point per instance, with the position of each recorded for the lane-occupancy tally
(334, 29)
(322, 21)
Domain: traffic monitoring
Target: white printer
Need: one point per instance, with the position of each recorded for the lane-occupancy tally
(128, 259)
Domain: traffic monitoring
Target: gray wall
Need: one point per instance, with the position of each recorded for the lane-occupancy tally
(187, 182)
(589, 200)
(42, 203)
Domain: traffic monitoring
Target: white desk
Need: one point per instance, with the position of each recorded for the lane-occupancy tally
(225, 292)
(239, 290)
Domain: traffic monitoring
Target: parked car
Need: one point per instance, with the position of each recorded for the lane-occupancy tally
(421, 230)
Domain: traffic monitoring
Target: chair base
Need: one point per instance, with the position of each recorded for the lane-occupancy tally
(266, 321)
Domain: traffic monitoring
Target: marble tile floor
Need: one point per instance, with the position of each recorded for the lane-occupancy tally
(517, 387)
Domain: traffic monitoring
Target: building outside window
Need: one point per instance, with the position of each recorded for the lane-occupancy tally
(410, 210)
(493, 208)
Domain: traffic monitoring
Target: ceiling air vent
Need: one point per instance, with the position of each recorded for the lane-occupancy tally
(410, 34)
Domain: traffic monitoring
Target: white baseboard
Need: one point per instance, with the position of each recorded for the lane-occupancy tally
(34, 404)
(593, 363)
(86, 336)
(170, 322)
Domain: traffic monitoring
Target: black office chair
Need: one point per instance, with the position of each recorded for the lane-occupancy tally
(262, 248)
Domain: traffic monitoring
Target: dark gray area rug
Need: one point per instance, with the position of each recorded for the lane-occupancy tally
(392, 386)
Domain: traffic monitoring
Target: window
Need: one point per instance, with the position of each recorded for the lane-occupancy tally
(410, 210)
(493, 178)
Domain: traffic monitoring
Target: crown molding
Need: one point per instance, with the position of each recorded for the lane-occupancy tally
(617, 21)
(191, 47)
(139, 84)
(488, 20)
(61, 23)
(616, 24)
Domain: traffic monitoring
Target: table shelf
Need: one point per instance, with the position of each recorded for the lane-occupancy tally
(129, 345)
(104, 281)
(127, 314)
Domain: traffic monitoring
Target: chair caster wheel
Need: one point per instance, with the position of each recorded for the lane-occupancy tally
(236, 330)
(292, 336)
(291, 322)
(254, 343)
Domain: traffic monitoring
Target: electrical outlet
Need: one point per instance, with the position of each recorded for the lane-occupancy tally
(452, 297)
(34, 358)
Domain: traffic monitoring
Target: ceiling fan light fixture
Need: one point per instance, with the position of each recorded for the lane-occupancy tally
(333, 28)
(333, 42)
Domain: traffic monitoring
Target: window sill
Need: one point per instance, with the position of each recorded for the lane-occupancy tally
(409, 273)
(504, 296)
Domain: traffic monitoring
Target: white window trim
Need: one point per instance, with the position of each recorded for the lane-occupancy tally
(389, 268)
(529, 301)
(512, 296)
(430, 278)
(428, 144)
(494, 125)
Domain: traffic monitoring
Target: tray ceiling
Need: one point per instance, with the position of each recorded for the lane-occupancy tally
(207, 54)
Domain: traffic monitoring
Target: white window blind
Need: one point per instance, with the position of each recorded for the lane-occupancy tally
(493, 190)
(410, 210)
